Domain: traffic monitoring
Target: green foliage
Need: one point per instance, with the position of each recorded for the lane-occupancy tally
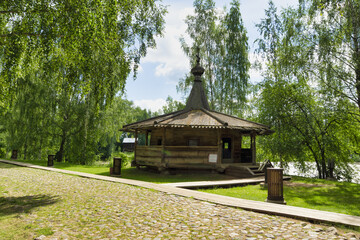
(35, 129)
(29, 120)
(2, 142)
(233, 76)
(126, 158)
(45, 231)
(87, 45)
(172, 105)
(311, 121)
(119, 113)
(334, 30)
(61, 65)
(222, 44)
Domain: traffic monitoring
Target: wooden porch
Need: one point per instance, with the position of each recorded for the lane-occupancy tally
(193, 157)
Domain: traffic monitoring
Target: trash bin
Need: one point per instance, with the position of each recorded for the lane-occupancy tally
(14, 154)
(50, 162)
(275, 185)
(117, 166)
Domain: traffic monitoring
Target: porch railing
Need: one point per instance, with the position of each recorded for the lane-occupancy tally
(174, 154)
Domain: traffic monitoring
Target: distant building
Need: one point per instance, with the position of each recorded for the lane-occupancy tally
(128, 144)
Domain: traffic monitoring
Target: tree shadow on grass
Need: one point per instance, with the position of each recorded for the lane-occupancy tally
(14, 205)
(343, 195)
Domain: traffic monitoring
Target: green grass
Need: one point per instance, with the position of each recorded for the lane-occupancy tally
(143, 175)
(135, 174)
(44, 231)
(94, 169)
(340, 197)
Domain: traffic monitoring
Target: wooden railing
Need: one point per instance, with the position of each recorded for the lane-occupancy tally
(189, 154)
(153, 155)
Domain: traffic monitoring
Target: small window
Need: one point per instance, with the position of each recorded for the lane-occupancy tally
(193, 142)
(159, 141)
(246, 142)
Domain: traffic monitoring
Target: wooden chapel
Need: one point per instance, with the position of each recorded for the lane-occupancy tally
(197, 137)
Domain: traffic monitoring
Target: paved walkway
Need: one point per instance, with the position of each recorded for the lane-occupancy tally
(262, 207)
(221, 183)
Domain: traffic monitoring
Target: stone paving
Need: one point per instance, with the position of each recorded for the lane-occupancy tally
(84, 208)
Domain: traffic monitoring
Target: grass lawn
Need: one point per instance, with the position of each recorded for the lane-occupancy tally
(133, 173)
(341, 197)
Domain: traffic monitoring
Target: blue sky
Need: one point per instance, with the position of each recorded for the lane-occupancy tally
(162, 68)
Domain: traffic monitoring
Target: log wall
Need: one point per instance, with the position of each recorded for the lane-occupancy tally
(189, 154)
(181, 136)
(146, 155)
(174, 155)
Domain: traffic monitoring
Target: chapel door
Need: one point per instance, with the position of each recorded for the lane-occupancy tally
(226, 148)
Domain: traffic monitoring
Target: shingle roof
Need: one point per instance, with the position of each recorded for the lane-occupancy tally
(199, 118)
(197, 98)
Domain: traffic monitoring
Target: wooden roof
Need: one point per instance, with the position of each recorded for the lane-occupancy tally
(199, 118)
(197, 98)
(197, 114)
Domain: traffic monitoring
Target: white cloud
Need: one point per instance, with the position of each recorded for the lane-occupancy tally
(151, 104)
(163, 69)
(168, 54)
(255, 74)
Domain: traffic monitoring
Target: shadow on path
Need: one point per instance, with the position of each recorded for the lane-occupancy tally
(13, 205)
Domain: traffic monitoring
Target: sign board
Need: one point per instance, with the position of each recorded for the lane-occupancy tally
(212, 158)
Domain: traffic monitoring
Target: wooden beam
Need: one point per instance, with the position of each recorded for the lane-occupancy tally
(241, 136)
(146, 138)
(163, 141)
(253, 147)
(232, 137)
(136, 135)
(219, 146)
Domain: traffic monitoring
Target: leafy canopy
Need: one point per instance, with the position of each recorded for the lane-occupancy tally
(84, 43)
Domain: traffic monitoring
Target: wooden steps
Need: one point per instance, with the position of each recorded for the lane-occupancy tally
(244, 171)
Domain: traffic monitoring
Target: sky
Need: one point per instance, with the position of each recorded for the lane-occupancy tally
(163, 67)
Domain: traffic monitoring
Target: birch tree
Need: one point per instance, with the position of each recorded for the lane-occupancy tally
(221, 39)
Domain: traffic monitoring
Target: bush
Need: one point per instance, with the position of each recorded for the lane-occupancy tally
(126, 158)
(355, 157)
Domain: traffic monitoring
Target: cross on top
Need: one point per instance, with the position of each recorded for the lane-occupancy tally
(198, 55)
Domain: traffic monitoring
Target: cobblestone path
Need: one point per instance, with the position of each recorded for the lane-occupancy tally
(48, 205)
